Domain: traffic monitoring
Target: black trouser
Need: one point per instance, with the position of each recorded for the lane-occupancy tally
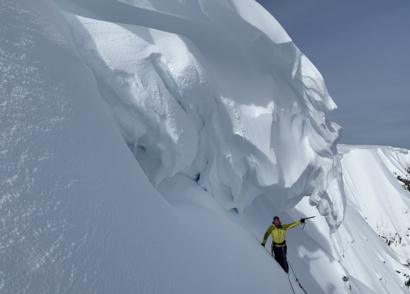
(279, 252)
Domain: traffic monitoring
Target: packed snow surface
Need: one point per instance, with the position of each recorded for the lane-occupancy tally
(146, 144)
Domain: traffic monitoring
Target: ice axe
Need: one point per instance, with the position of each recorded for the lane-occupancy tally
(306, 218)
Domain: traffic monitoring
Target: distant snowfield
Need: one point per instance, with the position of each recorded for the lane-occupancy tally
(146, 145)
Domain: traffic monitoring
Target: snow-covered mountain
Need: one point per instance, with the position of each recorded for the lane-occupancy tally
(146, 145)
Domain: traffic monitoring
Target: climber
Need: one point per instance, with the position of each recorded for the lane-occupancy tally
(278, 233)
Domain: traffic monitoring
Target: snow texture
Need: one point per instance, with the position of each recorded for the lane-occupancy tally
(78, 215)
(145, 146)
(217, 91)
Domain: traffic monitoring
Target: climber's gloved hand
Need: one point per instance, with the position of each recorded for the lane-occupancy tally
(263, 244)
(302, 220)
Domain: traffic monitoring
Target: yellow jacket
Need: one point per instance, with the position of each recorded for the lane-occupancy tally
(279, 234)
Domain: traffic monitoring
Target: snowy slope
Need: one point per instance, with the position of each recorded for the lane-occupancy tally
(146, 145)
(372, 244)
(77, 213)
(369, 253)
(378, 203)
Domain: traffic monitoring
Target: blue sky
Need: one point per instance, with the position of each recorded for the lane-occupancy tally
(362, 48)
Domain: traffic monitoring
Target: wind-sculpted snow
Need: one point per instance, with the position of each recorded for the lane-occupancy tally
(77, 213)
(215, 90)
(221, 111)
